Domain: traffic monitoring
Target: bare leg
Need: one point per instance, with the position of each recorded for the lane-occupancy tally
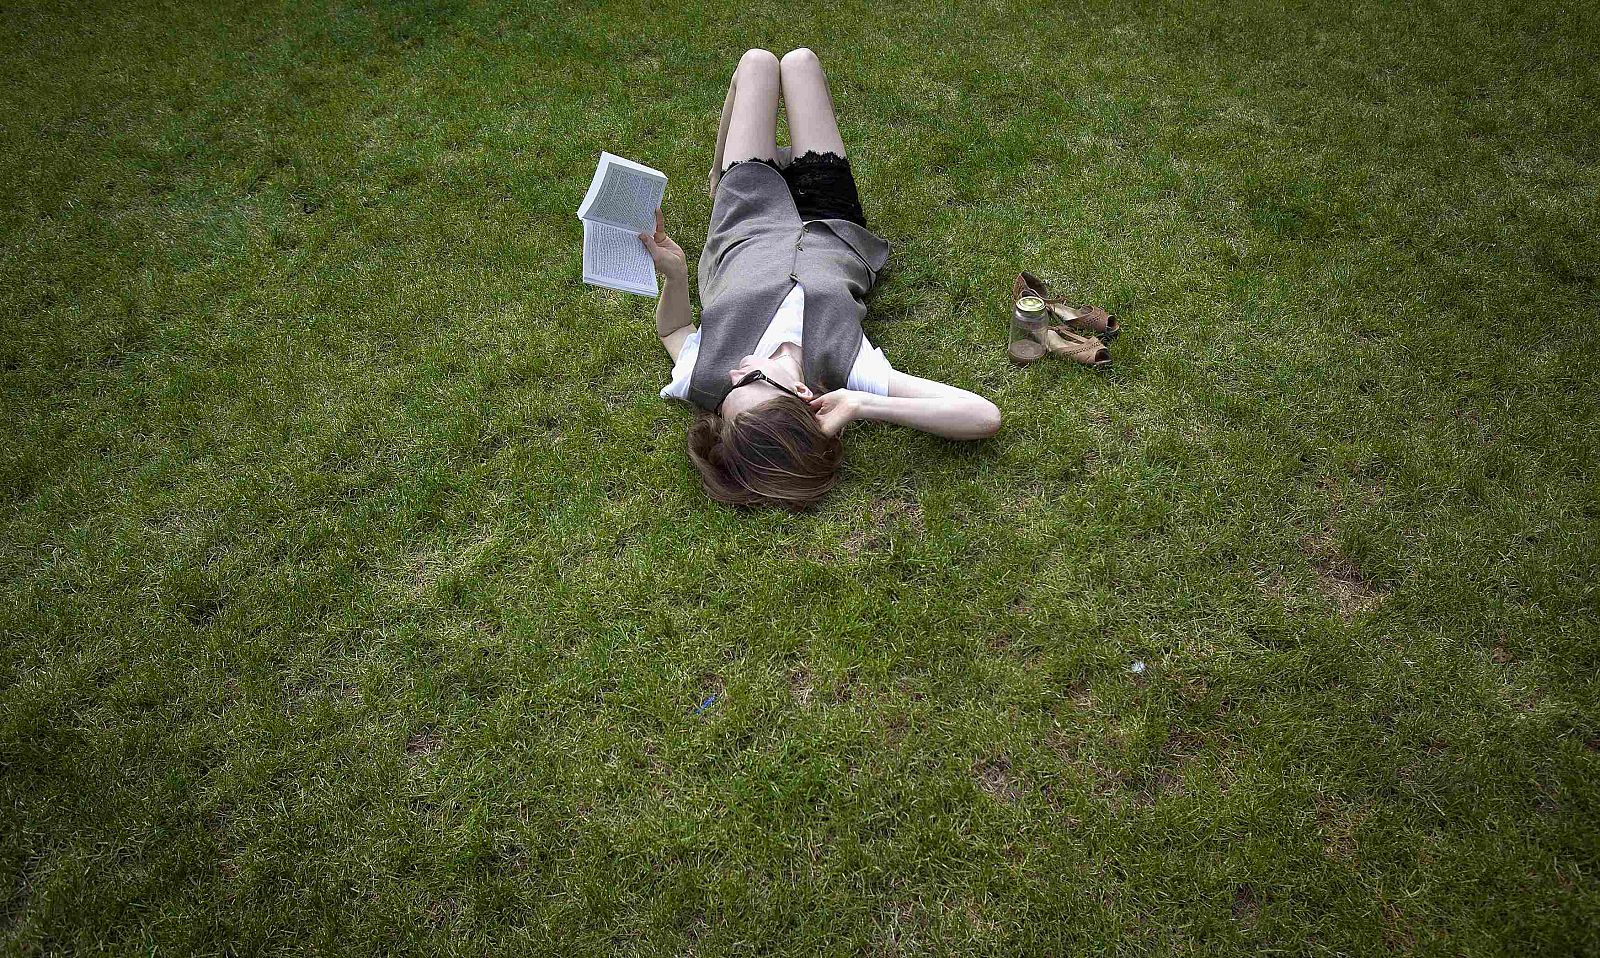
(749, 127)
(812, 125)
(722, 131)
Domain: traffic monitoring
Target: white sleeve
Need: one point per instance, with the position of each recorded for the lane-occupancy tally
(683, 368)
(871, 372)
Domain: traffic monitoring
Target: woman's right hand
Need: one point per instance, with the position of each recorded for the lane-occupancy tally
(666, 254)
(836, 410)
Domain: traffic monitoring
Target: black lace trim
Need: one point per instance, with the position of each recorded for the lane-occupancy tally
(822, 184)
(823, 158)
(771, 163)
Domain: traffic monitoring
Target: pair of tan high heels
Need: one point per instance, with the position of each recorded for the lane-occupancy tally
(1080, 333)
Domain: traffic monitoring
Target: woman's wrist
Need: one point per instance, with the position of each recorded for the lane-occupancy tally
(865, 405)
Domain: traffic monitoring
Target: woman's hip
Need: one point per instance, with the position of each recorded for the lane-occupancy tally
(819, 186)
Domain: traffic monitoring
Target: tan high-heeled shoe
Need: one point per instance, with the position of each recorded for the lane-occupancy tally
(1092, 319)
(1063, 343)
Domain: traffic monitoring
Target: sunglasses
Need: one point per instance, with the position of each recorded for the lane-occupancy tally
(756, 375)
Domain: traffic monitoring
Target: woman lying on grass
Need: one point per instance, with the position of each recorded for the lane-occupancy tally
(779, 362)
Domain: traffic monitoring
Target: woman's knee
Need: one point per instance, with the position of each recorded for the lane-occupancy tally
(800, 58)
(756, 62)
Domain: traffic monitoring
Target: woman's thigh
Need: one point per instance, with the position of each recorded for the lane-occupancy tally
(753, 126)
(808, 104)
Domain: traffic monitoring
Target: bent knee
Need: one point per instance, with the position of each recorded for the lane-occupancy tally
(758, 60)
(800, 58)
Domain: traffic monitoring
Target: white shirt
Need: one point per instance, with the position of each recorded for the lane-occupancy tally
(869, 374)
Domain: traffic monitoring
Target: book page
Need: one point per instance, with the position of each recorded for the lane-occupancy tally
(624, 194)
(616, 259)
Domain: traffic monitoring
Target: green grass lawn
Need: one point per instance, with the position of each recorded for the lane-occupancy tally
(357, 594)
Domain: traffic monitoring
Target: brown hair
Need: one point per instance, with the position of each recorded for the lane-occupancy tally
(771, 454)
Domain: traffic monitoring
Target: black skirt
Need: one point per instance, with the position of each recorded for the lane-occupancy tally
(822, 186)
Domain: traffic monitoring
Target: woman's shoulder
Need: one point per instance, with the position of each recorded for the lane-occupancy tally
(683, 367)
(871, 371)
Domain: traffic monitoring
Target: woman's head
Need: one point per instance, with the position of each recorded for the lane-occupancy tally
(780, 376)
(765, 447)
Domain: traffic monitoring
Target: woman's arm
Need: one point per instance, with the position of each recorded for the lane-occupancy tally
(924, 404)
(673, 321)
(673, 318)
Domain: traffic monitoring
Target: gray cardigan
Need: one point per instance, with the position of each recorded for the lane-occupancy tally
(756, 249)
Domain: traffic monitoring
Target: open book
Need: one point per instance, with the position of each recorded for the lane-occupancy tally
(621, 204)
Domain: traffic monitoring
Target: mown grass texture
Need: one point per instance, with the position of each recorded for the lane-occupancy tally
(357, 595)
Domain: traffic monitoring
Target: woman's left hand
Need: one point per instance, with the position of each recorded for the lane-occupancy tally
(665, 252)
(836, 409)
